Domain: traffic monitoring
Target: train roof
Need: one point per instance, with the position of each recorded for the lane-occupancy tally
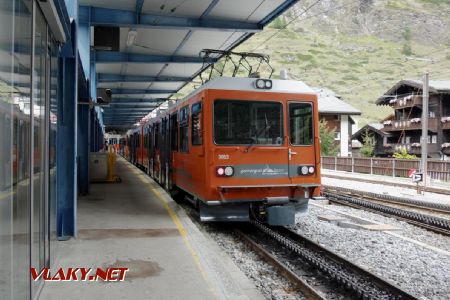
(238, 84)
(247, 84)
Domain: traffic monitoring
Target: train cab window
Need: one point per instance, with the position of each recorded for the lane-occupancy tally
(301, 123)
(243, 122)
(196, 117)
(174, 132)
(184, 129)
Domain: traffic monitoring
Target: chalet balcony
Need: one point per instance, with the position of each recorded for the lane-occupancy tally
(411, 124)
(412, 148)
(408, 101)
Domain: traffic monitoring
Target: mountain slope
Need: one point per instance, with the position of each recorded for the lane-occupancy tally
(359, 48)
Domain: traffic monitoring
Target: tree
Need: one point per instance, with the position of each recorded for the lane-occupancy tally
(327, 145)
(368, 145)
(279, 23)
(402, 153)
(407, 49)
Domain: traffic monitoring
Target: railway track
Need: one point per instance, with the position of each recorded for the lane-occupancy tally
(431, 206)
(432, 223)
(335, 272)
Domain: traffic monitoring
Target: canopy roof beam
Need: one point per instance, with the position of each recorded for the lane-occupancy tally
(141, 91)
(139, 78)
(123, 18)
(123, 57)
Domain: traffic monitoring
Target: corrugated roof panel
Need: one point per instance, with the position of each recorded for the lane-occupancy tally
(174, 69)
(109, 68)
(201, 39)
(249, 10)
(166, 85)
(168, 37)
(189, 9)
(144, 69)
(152, 41)
(115, 4)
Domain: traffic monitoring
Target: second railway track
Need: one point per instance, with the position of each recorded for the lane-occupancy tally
(356, 199)
(343, 276)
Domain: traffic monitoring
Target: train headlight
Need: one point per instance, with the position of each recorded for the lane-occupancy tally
(226, 171)
(263, 84)
(229, 171)
(304, 170)
(220, 171)
(260, 84)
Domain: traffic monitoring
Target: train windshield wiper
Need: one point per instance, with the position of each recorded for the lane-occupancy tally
(264, 129)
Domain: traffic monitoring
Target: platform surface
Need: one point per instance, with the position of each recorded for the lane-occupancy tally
(135, 224)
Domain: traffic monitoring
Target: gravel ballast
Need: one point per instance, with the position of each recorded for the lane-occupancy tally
(264, 276)
(421, 271)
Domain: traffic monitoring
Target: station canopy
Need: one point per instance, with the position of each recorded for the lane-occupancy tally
(160, 42)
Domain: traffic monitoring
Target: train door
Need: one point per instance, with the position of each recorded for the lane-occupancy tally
(173, 129)
(131, 147)
(301, 154)
(136, 148)
(149, 149)
(166, 153)
(196, 165)
(141, 147)
(157, 158)
(145, 148)
(152, 150)
(163, 151)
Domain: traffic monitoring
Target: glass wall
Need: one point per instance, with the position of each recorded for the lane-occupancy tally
(53, 120)
(39, 139)
(28, 99)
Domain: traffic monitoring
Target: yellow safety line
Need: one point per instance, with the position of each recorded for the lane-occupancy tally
(179, 226)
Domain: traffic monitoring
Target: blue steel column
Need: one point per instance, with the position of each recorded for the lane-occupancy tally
(93, 92)
(83, 149)
(84, 111)
(66, 140)
(93, 130)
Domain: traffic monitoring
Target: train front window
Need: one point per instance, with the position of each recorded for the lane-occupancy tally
(239, 122)
(300, 123)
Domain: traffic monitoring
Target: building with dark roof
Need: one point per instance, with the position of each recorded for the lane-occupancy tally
(405, 127)
(338, 115)
(376, 130)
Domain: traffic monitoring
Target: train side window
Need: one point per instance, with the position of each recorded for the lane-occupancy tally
(197, 138)
(174, 132)
(184, 129)
(301, 123)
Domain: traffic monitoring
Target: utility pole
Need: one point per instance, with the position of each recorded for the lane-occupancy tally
(424, 153)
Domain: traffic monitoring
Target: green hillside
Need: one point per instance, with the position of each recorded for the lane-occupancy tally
(358, 48)
(358, 66)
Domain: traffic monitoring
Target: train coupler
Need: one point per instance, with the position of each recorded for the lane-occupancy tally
(281, 215)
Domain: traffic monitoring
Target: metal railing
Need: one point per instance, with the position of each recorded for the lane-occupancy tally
(437, 169)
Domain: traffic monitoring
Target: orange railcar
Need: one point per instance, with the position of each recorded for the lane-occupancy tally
(239, 148)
